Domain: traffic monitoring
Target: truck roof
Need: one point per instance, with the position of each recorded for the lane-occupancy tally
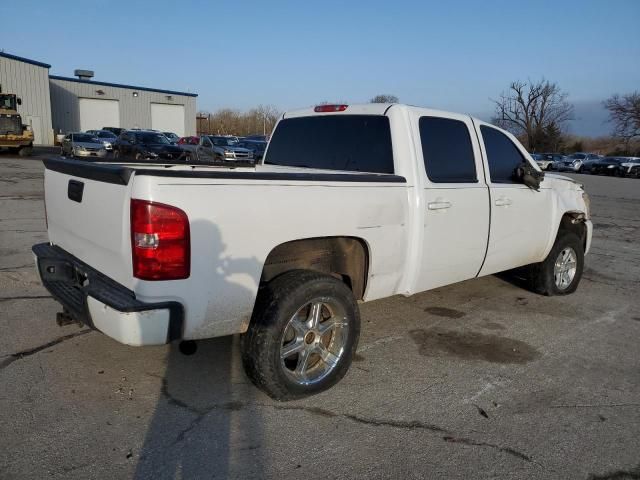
(359, 109)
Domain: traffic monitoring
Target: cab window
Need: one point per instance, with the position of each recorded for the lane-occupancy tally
(447, 150)
(503, 156)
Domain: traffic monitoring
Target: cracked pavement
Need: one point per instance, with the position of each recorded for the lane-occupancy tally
(480, 379)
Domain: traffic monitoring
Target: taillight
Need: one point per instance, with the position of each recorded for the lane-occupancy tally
(160, 242)
(330, 108)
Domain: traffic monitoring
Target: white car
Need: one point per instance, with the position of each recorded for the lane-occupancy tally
(351, 203)
(631, 166)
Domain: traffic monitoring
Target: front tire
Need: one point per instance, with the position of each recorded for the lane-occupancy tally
(25, 151)
(561, 271)
(303, 335)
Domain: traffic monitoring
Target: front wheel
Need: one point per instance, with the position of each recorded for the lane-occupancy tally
(303, 335)
(25, 151)
(561, 271)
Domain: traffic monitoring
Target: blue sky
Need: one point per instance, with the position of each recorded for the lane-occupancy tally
(453, 54)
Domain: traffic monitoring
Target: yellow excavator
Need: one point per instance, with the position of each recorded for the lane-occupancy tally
(14, 136)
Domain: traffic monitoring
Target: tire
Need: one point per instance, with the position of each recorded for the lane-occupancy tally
(543, 275)
(276, 323)
(25, 151)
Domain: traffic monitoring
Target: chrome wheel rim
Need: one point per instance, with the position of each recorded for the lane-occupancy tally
(564, 269)
(313, 342)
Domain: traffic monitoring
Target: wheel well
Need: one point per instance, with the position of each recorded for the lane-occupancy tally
(574, 222)
(345, 258)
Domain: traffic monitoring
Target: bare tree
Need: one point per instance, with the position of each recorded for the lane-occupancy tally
(227, 121)
(624, 112)
(528, 108)
(384, 98)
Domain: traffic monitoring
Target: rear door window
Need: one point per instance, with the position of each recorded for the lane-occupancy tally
(447, 150)
(358, 143)
(502, 155)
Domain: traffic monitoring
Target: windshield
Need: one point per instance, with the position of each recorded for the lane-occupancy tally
(8, 102)
(223, 141)
(84, 138)
(106, 135)
(153, 138)
(577, 156)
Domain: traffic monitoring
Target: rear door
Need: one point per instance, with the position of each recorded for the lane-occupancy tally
(455, 199)
(520, 217)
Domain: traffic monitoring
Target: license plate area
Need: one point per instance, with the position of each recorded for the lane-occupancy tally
(55, 270)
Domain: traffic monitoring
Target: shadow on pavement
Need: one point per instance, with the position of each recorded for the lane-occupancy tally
(199, 428)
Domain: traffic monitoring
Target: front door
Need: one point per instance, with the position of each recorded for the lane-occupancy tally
(455, 199)
(520, 216)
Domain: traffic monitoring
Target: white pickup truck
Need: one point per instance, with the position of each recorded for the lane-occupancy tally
(351, 203)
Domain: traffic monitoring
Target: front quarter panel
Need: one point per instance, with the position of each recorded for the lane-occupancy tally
(568, 198)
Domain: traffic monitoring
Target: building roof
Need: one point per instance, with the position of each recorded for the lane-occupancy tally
(118, 85)
(25, 60)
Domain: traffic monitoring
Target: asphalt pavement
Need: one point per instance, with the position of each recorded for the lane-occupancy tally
(482, 379)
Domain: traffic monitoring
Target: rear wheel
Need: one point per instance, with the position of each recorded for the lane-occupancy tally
(303, 335)
(561, 271)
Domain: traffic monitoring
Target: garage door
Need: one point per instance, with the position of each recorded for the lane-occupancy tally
(96, 113)
(168, 118)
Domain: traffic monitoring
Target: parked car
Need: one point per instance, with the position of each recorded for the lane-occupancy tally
(256, 146)
(216, 148)
(575, 162)
(608, 166)
(546, 160)
(189, 144)
(83, 145)
(172, 137)
(105, 136)
(261, 138)
(631, 166)
(143, 145)
(343, 209)
(115, 130)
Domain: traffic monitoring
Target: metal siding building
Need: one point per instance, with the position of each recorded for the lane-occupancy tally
(75, 105)
(29, 80)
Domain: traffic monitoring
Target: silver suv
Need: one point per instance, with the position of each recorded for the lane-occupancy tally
(575, 162)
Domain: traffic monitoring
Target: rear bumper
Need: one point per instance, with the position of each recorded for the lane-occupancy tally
(103, 304)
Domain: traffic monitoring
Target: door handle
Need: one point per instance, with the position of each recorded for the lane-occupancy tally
(503, 202)
(438, 205)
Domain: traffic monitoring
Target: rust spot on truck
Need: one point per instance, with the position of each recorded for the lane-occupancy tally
(472, 346)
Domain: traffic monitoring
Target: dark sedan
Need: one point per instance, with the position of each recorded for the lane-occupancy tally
(608, 166)
(144, 146)
(256, 146)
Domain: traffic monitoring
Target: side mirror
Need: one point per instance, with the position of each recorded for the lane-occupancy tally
(525, 173)
(19, 101)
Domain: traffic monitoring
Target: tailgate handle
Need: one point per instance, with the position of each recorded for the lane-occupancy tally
(75, 190)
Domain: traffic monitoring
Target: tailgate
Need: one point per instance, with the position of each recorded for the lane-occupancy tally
(87, 209)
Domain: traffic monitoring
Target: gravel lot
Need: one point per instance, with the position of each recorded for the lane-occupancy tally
(481, 379)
